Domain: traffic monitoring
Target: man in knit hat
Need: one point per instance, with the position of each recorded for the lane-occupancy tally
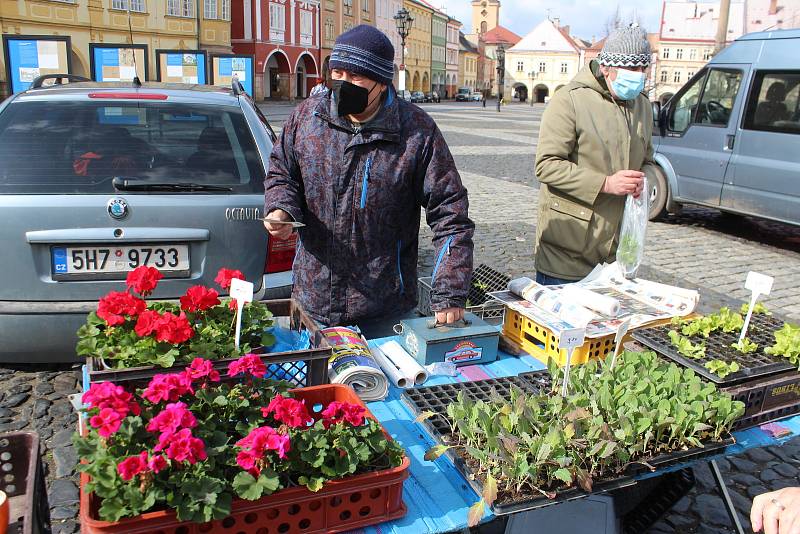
(594, 149)
(355, 165)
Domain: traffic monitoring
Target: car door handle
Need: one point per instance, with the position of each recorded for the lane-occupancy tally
(729, 140)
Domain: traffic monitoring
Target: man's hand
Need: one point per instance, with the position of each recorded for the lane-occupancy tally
(279, 231)
(624, 183)
(777, 512)
(450, 315)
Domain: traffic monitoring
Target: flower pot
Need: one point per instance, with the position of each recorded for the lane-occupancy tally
(345, 504)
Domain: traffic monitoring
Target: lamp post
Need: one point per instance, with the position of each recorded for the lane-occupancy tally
(501, 69)
(532, 76)
(403, 21)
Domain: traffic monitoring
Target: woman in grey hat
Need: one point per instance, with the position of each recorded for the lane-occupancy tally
(594, 149)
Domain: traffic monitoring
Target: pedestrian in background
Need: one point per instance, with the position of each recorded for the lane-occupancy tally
(321, 87)
(355, 166)
(594, 149)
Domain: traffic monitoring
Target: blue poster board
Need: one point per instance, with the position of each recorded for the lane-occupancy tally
(225, 67)
(29, 57)
(118, 63)
(183, 62)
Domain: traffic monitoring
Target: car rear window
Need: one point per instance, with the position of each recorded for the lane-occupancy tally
(78, 147)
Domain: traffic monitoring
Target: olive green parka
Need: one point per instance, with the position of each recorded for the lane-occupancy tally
(585, 136)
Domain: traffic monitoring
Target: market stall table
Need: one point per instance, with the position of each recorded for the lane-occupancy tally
(437, 495)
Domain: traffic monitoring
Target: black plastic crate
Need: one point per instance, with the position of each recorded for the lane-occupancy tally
(22, 481)
(718, 347)
(484, 281)
(671, 488)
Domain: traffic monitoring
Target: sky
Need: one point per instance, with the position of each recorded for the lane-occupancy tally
(585, 17)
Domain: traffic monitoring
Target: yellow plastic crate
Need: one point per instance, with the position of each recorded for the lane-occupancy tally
(540, 342)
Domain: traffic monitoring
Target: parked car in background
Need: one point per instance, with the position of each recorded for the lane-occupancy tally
(728, 138)
(405, 94)
(97, 179)
(433, 97)
(477, 96)
(417, 97)
(464, 94)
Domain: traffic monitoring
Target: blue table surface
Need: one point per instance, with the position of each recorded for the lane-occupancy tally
(436, 494)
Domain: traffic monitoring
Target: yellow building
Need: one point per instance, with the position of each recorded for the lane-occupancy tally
(338, 16)
(79, 29)
(418, 47)
(467, 64)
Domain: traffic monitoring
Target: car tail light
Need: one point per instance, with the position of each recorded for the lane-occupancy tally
(129, 96)
(280, 254)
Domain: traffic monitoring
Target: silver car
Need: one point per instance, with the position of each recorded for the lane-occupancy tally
(97, 179)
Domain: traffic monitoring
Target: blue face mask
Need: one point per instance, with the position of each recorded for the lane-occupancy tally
(628, 84)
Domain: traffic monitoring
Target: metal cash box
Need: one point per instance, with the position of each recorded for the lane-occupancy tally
(471, 343)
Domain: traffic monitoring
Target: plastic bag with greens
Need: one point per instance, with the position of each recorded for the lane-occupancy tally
(630, 251)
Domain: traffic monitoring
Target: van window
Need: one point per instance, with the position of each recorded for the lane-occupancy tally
(774, 104)
(682, 113)
(719, 96)
(74, 147)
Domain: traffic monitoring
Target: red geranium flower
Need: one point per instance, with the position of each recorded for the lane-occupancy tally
(147, 322)
(202, 369)
(199, 298)
(338, 412)
(224, 277)
(250, 364)
(157, 463)
(256, 444)
(168, 387)
(182, 447)
(288, 411)
(132, 466)
(107, 422)
(143, 279)
(174, 417)
(173, 328)
(117, 305)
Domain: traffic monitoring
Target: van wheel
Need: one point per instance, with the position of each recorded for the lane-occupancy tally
(657, 195)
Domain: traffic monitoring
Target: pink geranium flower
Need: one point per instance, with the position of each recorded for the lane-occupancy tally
(157, 463)
(168, 387)
(202, 369)
(338, 412)
(255, 446)
(182, 447)
(132, 466)
(107, 422)
(107, 395)
(288, 411)
(171, 419)
(248, 364)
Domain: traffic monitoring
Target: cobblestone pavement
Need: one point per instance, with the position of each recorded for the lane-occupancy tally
(494, 152)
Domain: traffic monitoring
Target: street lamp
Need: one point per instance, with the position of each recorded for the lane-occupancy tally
(501, 69)
(532, 76)
(403, 21)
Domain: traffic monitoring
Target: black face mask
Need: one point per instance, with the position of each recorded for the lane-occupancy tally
(350, 99)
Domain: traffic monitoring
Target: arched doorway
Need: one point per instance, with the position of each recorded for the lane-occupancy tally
(415, 82)
(276, 76)
(306, 73)
(426, 82)
(540, 92)
(520, 91)
(78, 65)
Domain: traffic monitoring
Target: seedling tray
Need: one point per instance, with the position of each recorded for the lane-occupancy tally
(767, 399)
(718, 347)
(436, 399)
(301, 368)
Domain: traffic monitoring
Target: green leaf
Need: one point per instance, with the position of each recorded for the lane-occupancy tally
(247, 486)
(435, 452)
(563, 475)
(424, 416)
(312, 483)
(489, 490)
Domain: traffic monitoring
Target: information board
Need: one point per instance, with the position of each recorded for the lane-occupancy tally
(112, 63)
(181, 66)
(28, 57)
(225, 67)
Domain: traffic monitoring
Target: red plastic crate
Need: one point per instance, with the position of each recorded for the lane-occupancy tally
(352, 502)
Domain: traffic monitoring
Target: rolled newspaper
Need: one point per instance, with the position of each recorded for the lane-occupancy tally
(603, 304)
(408, 366)
(550, 300)
(352, 364)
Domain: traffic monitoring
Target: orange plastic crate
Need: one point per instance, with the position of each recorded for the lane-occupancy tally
(349, 503)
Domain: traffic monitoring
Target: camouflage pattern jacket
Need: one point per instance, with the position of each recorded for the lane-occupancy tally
(359, 193)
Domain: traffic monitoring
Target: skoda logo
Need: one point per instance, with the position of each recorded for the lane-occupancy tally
(117, 208)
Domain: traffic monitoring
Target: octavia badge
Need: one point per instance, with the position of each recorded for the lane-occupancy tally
(117, 208)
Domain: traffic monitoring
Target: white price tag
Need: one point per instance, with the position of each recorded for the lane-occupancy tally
(571, 339)
(758, 283)
(621, 331)
(241, 290)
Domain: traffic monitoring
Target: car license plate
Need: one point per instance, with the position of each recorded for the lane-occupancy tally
(109, 262)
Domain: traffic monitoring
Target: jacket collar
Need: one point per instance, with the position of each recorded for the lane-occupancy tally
(385, 125)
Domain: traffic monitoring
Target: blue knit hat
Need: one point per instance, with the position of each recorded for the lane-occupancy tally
(365, 50)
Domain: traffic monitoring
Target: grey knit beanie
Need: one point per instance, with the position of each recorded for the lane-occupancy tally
(626, 47)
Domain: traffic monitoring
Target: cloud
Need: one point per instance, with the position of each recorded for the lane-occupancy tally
(585, 17)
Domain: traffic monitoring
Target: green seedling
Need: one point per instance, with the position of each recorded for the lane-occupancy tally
(722, 369)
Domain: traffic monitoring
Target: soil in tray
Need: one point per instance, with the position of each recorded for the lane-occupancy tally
(718, 347)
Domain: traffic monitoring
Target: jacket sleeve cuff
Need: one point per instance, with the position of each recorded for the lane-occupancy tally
(439, 305)
(294, 213)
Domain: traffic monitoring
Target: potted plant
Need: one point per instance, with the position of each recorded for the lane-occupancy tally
(192, 447)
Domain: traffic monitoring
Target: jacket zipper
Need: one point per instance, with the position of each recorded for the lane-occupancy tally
(399, 268)
(365, 182)
(445, 249)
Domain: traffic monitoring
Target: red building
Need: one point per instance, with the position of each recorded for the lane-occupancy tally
(283, 35)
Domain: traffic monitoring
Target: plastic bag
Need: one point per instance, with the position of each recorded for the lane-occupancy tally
(630, 251)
